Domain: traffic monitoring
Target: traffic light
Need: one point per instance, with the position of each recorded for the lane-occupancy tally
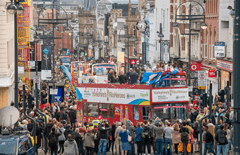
(203, 100)
(43, 98)
(221, 94)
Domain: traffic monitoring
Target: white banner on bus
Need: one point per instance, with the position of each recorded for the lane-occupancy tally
(111, 95)
(168, 95)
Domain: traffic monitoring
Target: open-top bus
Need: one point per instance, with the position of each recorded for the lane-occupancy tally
(115, 102)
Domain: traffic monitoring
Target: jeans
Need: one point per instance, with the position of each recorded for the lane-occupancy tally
(89, 151)
(168, 141)
(132, 148)
(61, 146)
(102, 147)
(208, 146)
(146, 142)
(54, 151)
(159, 146)
(221, 147)
(80, 148)
(228, 146)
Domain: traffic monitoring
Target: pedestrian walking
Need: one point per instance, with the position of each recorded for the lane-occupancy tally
(103, 139)
(146, 140)
(131, 129)
(124, 140)
(47, 131)
(184, 137)
(53, 141)
(70, 146)
(117, 138)
(168, 130)
(208, 141)
(159, 131)
(176, 137)
(61, 139)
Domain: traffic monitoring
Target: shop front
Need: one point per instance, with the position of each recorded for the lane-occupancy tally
(226, 71)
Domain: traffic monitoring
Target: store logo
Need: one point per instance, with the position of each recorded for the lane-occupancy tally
(46, 51)
(144, 94)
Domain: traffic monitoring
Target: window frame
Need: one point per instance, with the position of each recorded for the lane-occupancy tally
(112, 109)
(96, 111)
(99, 111)
(135, 112)
(85, 110)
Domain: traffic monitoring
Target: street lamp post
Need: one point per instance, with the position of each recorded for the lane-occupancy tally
(190, 18)
(54, 21)
(15, 8)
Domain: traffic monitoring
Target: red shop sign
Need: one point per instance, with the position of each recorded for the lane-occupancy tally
(133, 61)
(123, 64)
(212, 73)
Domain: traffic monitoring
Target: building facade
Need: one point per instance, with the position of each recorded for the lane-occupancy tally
(7, 56)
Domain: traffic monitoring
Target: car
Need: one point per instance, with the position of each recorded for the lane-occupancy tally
(18, 143)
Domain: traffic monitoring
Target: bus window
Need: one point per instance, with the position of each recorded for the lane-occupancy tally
(170, 112)
(136, 112)
(112, 112)
(84, 109)
(104, 110)
(178, 81)
(92, 109)
(145, 112)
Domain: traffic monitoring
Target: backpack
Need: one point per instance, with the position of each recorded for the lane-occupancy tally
(184, 135)
(146, 132)
(222, 138)
(53, 140)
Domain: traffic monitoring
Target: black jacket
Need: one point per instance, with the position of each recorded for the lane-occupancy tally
(209, 137)
(77, 137)
(103, 134)
(122, 79)
(47, 129)
(30, 127)
(67, 132)
(56, 135)
(217, 136)
(30, 98)
(39, 135)
(72, 116)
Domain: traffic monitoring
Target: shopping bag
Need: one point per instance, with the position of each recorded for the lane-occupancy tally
(189, 148)
(180, 147)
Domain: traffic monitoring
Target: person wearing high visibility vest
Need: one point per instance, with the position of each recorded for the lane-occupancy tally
(95, 122)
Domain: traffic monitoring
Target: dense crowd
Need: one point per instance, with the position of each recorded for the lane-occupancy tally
(63, 134)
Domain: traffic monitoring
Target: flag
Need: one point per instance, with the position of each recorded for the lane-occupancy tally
(156, 79)
(66, 71)
(147, 76)
(73, 78)
(175, 71)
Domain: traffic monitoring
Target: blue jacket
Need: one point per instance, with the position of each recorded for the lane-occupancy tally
(138, 132)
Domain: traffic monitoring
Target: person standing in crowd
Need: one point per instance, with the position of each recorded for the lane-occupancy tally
(168, 130)
(72, 116)
(122, 78)
(176, 137)
(70, 146)
(61, 139)
(221, 140)
(39, 131)
(112, 77)
(53, 141)
(131, 129)
(117, 138)
(133, 77)
(228, 137)
(159, 131)
(47, 131)
(113, 136)
(184, 137)
(168, 67)
(146, 141)
(195, 136)
(128, 75)
(89, 142)
(103, 135)
(208, 141)
(138, 138)
(124, 140)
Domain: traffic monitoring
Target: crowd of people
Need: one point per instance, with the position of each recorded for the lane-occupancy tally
(64, 135)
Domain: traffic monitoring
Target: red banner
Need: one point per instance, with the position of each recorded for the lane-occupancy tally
(212, 73)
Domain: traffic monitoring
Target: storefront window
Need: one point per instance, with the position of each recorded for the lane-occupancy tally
(84, 109)
(135, 112)
(104, 110)
(112, 112)
(92, 109)
(170, 112)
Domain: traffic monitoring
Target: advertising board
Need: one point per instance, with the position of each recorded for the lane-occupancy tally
(168, 95)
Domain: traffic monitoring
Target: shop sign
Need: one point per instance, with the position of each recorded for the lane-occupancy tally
(123, 64)
(219, 49)
(224, 65)
(212, 73)
(133, 61)
(114, 95)
(168, 95)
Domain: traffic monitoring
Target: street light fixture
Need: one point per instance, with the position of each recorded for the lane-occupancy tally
(20, 9)
(204, 26)
(68, 30)
(11, 8)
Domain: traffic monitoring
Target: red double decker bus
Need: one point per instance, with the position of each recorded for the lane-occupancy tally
(115, 102)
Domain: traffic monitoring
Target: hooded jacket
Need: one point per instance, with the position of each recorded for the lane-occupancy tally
(70, 147)
(89, 140)
(130, 128)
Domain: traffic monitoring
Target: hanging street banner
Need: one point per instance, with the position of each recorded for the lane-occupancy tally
(46, 72)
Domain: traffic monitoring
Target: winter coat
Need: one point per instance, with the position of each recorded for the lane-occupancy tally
(62, 136)
(89, 140)
(67, 132)
(72, 116)
(70, 147)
